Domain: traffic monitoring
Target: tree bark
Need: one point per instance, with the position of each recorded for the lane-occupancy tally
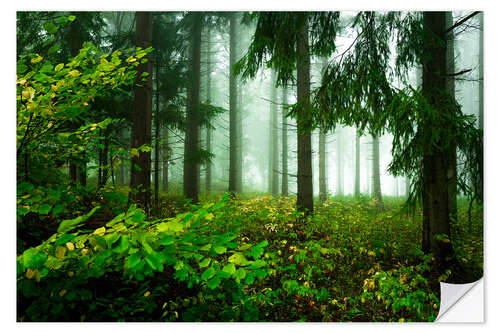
(436, 209)
(377, 191)
(274, 137)
(450, 88)
(157, 139)
(284, 143)
(140, 172)
(357, 167)
(304, 163)
(191, 142)
(165, 157)
(340, 171)
(233, 135)
(208, 138)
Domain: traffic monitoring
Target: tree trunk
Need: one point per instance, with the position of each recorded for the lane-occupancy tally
(165, 157)
(304, 163)
(191, 142)
(377, 191)
(157, 139)
(357, 167)
(208, 138)
(140, 172)
(239, 139)
(450, 88)
(75, 43)
(340, 171)
(322, 165)
(233, 135)
(284, 143)
(436, 210)
(274, 138)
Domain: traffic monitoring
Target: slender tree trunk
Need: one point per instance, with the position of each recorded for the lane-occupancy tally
(435, 163)
(157, 139)
(140, 172)
(239, 140)
(322, 165)
(165, 157)
(340, 171)
(233, 135)
(284, 143)
(357, 167)
(304, 156)
(121, 173)
(208, 138)
(274, 138)
(450, 88)
(377, 192)
(191, 143)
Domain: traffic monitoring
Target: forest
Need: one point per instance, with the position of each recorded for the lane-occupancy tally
(319, 166)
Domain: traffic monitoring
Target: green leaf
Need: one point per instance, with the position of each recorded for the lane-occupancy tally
(51, 28)
(238, 259)
(44, 209)
(220, 249)
(250, 278)
(257, 252)
(71, 18)
(264, 243)
(167, 240)
(64, 239)
(57, 209)
(59, 67)
(213, 283)
(261, 273)
(223, 274)
(240, 274)
(205, 262)
(208, 273)
(230, 268)
(68, 225)
(133, 259)
(53, 49)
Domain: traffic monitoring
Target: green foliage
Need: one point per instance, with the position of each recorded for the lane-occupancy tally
(198, 248)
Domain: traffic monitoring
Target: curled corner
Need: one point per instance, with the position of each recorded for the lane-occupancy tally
(462, 302)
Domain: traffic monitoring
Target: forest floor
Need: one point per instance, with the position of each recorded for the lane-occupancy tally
(353, 260)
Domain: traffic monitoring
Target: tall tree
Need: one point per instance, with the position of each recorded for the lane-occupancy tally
(157, 135)
(436, 209)
(208, 134)
(284, 142)
(357, 170)
(304, 157)
(322, 165)
(233, 129)
(340, 166)
(191, 142)
(273, 140)
(140, 172)
(377, 191)
(450, 88)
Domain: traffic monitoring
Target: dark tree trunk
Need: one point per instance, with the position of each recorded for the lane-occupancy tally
(208, 138)
(233, 135)
(377, 191)
(436, 209)
(157, 139)
(284, 144)
(450, 87)
(274, 138)
(357, 167)
(304, 163)
(191, 142)
(239, 139)
(165, 154)
(140, 172)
